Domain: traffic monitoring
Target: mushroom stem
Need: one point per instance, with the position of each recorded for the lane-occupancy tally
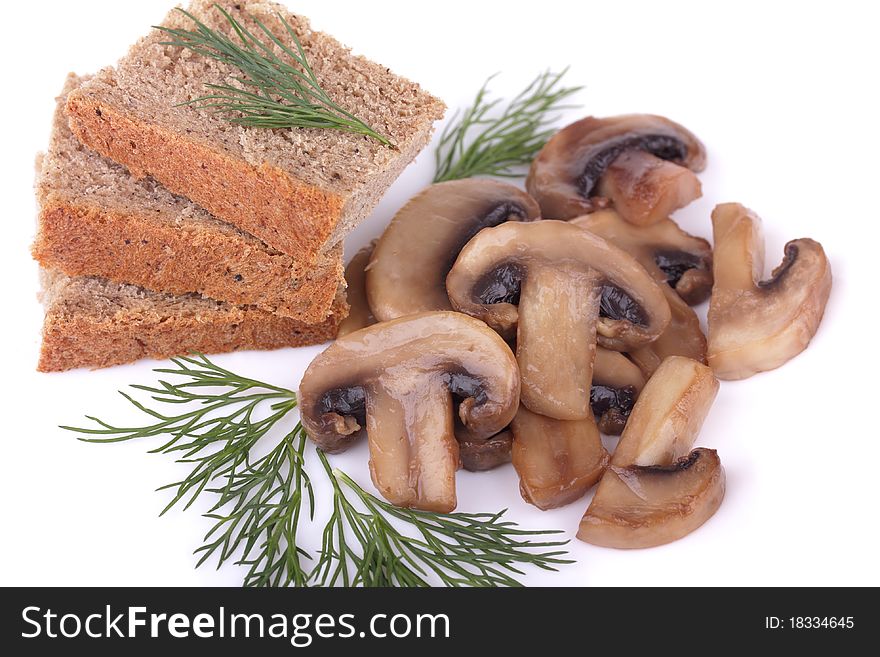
(557, 461)
(739, 247)
(646, 189)
(556, 340)
(668, 415)
(413, 451)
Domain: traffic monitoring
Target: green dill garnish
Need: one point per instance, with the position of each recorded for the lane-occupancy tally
(271, 92)
(258, 503)
(477, 143)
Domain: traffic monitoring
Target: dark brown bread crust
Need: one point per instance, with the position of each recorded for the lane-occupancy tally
(298, 190)
(91, 241)
(282, 211)
(97, 220)
(78, 337)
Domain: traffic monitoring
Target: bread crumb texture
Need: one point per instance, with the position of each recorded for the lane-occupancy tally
(98, 220)
(299, 190)
(93, 322)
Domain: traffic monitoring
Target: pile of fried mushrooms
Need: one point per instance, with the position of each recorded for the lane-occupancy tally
(492, 325)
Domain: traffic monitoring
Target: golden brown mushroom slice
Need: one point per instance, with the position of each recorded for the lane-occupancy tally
(359, 314)
(565, 175)
(668, 415)
(644, 506)
(558, 461)
(557, 289)
(672, 256)
(617, 382)
(646, 189)
(758, 326)
(399, 380)
(407, 272)
(482, 455)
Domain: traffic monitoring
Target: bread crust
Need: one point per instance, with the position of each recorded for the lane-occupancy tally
(83, 240)
(298, 190)
(284, 212)
(79, 338)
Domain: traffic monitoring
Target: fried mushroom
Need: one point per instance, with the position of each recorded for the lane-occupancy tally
(654, 491)
(359, 313)
(617, 382)
(407, 272)
(668, 415)
(670, 255)
(647, 505)
(646, 189)
(558, 289)
(397, 381)
(755, 325)
(481, 455)
(564, 177)
(681, 263)
(557, 461)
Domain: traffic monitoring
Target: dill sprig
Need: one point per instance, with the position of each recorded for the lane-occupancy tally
(481, 144)
(362, 545)
(267, 501)
(271, 92)
(259, 502)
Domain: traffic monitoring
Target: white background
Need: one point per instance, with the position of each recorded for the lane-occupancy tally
(785, 98)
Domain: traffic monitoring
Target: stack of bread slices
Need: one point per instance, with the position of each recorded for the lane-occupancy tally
(164, 228)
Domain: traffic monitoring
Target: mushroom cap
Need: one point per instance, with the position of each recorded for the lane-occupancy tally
(668, 253)
(559, 288)
(459, 352)
(491, 268)
(668, 415)
(564, 175)
(359, 313)
(758, 326)
(643, 506)
(407, 272)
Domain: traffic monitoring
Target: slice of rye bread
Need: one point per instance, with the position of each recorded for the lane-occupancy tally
(97, 220)
(299, 190)
(92, 322)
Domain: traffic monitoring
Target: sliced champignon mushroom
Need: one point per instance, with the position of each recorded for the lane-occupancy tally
(407, 273)
(397, 380)
(617, 382)
(359, 314)
(557, 461)
(671, 256)
(565, 175)
(557, 288)
(646, 505)
(758, 326)
(683, 337)
(480, 455)
(646, 189)
(668, 415)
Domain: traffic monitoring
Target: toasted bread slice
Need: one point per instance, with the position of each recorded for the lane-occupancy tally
(92, 322)
(300, 190)
(98, 220)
